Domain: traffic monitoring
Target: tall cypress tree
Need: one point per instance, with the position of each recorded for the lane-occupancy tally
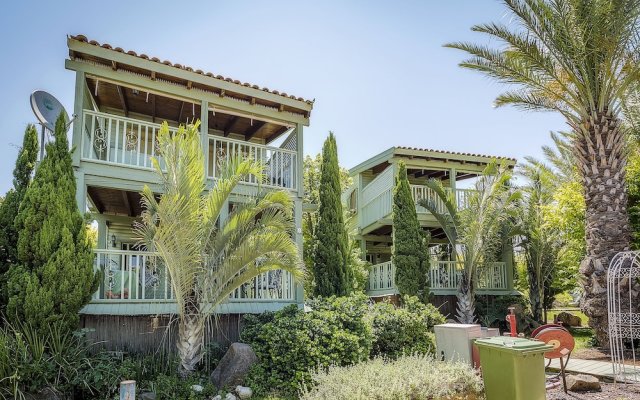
(410, 250)
(330, 267)
(54, 277)
(9, 207)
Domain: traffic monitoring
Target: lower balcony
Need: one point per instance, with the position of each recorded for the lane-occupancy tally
(444, 278)
(137, 282)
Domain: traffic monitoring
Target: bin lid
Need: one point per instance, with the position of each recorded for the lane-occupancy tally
(516, 345)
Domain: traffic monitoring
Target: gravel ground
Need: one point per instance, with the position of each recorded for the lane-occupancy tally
(609, 391)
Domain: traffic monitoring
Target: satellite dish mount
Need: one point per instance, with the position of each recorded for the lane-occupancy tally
(47, 109)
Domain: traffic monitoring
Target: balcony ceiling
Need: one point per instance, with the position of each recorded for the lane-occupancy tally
(139, 104)
(114, 201)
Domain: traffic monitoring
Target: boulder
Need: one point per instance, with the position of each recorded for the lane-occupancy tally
(244, 392)
(197, 388)
(230, 396)
(234, 366)
(568, 319)
(582, 383)
(147, 396)
(216, 397)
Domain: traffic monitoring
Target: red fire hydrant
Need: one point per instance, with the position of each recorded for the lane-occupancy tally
(511, 319)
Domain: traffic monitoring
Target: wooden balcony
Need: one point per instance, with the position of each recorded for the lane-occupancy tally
(132, 143)
(444, 278)
(139, 281)
(376, 199)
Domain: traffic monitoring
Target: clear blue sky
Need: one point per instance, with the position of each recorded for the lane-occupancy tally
(377, 70)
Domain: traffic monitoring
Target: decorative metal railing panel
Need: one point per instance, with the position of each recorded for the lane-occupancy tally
(443, 275)
(139, 276)
(280, 165)
(119, 140)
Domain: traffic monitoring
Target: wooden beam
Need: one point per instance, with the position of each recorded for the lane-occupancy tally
(153, 75)
(257, 127)
(153, 107)
(127, 203)
(276, 134)
(377, 238)
(181, 109)
(114, 65)
(95, 200)
(230, 125)
(123, 100)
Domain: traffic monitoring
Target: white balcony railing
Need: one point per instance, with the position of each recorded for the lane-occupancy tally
(422, 192)
(139, 276)
(280, 165)
(129, 142)
(443, 275)
(118, 140)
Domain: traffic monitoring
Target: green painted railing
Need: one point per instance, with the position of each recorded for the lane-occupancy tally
(129, 142)
(443, 276)
(139, 276)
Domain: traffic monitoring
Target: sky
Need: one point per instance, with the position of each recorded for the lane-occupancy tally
(377, 70)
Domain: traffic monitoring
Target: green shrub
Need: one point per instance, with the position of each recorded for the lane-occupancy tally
(409, 377)
(291, 343)
(404, 330)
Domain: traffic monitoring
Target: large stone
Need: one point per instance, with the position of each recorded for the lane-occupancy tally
(230, 396)
(234, 366)
(244, 392)
(582, 383)
(568, 319)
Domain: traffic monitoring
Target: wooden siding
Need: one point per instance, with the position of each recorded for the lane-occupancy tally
(376, 198)
(139, 334)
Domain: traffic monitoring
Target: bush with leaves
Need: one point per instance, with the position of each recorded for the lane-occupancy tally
(291, 344)
(411, 377)
(404, 330)
(54, 276)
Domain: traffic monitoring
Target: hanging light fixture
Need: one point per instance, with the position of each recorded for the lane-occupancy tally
(113, 240)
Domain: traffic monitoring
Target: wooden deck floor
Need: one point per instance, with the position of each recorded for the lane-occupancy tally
(601, 369)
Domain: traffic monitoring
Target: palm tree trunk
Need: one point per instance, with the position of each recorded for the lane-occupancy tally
(466, 301)
(190, 341)
(602, 161)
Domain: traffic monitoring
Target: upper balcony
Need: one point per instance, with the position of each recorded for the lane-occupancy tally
(127, 142)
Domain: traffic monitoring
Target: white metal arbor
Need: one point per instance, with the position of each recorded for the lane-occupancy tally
(624, 319)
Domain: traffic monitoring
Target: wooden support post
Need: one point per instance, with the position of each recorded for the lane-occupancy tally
(204, 133)
(81, 191)
(128, 390)
(78, 108)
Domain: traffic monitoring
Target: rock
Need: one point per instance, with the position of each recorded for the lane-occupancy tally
(244, 392)
(147, 396)
(216, 397)
(197, 388)
(230, 396)
(234, 366)
(568, 319)
(582, 383)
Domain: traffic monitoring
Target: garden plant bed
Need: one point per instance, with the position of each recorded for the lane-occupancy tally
(609, 391)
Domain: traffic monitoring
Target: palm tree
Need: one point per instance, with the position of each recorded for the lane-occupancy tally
(578, 58)
(208, 257)
(539, 242)
(475, 229)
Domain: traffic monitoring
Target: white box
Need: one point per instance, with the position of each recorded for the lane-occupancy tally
(454, 341)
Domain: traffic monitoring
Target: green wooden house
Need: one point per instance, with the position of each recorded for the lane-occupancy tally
(121, 98)
(371, 198)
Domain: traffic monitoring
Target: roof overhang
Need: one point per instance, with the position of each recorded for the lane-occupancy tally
(287, 107)
(422, 158)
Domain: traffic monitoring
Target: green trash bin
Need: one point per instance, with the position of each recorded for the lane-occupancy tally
(513, 368)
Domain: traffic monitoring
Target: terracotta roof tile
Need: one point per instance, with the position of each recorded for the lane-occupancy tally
(455, 153)
(82, 38)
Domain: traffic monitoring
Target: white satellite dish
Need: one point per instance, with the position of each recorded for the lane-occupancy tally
(47, 109)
